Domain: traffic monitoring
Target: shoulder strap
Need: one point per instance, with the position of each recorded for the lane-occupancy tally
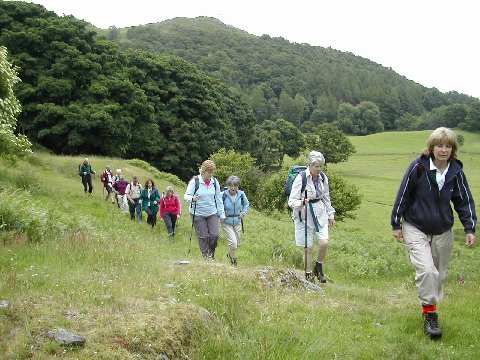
(242, 201)
(303, 174)
(197, 184)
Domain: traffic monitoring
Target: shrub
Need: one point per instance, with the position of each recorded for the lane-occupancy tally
(345, 196)
(230, 162)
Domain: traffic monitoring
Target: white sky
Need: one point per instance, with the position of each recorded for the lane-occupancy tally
(432, 42)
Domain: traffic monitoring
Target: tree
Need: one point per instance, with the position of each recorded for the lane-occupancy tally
(273, 140)
(472, 120)
(10, 144)
(331, 142)
(368, 118)
(346, 119)
(406, 122)
(362, 119)
(433, 98)
(231, 162)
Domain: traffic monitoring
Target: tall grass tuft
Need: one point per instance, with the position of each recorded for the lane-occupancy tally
(22, 214)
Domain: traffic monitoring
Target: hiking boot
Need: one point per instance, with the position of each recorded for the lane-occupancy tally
(431, 325)
(309, 276)
(318, 271)
(233, 260)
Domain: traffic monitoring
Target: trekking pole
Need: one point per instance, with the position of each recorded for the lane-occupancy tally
(241, 221)
(191, 230)
(306, 214)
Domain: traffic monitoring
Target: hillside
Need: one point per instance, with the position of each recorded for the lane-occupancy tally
(71, 261)
(310, 77)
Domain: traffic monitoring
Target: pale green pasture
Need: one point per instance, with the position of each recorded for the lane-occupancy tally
(118, 283)
(379, 164)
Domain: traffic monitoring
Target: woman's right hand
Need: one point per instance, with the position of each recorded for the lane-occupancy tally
(195, 197)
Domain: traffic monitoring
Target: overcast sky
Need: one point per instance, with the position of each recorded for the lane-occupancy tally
(432, 42)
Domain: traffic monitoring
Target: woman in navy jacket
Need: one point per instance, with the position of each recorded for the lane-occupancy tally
(422, 218)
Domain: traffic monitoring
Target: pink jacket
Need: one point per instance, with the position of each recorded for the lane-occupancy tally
(169, 204)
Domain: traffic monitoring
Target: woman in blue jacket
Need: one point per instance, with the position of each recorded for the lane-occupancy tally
(236, 207)
(422, 218)
(206, 207)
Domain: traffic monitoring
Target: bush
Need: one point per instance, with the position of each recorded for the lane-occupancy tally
(345, 196)
(230, 162)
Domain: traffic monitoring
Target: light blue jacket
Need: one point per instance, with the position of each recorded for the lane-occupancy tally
(233, 207)
(210, 202)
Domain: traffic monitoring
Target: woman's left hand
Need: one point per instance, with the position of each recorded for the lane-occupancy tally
(331, 222)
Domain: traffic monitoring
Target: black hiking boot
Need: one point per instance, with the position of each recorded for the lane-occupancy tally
(318, 271)
(309, 276)
(233, 260)
(431, 325)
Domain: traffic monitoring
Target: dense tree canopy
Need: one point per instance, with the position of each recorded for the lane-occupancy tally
(296, 82)
(82, 95)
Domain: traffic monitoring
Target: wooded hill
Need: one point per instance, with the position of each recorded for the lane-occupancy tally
(280, 79)
(83, 94)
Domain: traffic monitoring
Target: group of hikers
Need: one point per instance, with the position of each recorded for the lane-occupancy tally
(210, 204)
(422, 217)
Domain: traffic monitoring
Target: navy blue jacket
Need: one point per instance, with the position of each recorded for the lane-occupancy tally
(420, 202)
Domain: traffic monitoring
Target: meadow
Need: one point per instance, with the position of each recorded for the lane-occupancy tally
(70, 260)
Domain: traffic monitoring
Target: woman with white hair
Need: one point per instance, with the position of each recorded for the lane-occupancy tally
(310, 196)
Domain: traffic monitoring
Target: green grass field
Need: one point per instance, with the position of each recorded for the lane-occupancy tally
(69, 260)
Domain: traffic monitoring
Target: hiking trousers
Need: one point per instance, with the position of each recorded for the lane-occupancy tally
(151, 217)
(207, 230)
(123, 203)
(429, 255)
(135, 208)
(233, 235)
(170, 220)
(87, 180)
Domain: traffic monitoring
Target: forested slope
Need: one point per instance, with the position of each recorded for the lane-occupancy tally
(297, 82)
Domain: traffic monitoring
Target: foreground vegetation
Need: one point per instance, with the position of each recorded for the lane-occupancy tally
(69, 260)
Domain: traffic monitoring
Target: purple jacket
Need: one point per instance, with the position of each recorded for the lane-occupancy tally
(120, 186)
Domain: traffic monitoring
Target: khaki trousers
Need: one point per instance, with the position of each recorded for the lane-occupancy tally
(429, 255)
(233, 235)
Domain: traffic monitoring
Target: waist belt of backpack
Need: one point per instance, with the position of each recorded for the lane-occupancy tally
(315, 220)
(313, 201)
(232, 215)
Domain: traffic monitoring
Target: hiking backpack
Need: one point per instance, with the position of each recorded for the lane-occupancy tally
(197, 185)
(292, 174)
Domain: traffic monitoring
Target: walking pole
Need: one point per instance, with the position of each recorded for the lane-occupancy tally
(191, 230)
(306, 214)
(241, 221)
